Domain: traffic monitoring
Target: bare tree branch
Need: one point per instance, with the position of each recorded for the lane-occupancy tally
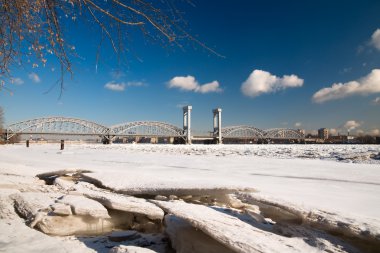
(30, 31)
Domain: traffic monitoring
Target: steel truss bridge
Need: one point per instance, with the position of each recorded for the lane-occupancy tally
(79, 127)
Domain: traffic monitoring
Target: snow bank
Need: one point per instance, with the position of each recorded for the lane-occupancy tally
(304, 185)
(232, 232)
(84, 206)
(366, 232)
(18, 238)
(120, 202)
(29, 204)
(187, 239)
(130, 249)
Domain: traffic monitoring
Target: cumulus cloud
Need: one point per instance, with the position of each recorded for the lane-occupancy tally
(375, 39)
(351, 125)
(189, 83)
(186, 83)
(375, 132)
(34, 77)
(260, 82)
(17, 81)
(297, 124)
(376, 101)
(333, 131)
(209, 87)
(369, 84)
(121, 86)
(359, 132)
(115, 86)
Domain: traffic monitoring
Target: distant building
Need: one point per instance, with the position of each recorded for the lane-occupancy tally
(323, 133)
(342, 139)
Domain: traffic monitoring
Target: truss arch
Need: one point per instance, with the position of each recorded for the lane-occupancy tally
(56, 125)
(242, 132)
(283, 133)
(147, 128)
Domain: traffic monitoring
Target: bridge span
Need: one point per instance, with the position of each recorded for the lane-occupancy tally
(151, 129)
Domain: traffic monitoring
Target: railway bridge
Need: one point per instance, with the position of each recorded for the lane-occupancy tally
(61, 126)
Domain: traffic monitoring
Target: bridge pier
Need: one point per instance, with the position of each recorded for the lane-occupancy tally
(7, 135)
(107, 139)
(218, 124)
(187, 122)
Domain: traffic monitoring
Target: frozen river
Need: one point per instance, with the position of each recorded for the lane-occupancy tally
(338, 182)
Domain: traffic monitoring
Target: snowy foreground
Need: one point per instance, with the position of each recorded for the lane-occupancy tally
(195, 198)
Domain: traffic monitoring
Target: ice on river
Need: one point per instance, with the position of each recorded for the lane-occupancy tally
(326, 186)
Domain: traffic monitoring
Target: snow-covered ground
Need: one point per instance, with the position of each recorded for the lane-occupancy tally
(323, 187)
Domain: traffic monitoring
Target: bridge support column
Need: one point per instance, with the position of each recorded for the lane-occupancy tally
(107, 139)
(7, 135)
(187, 122)
(4, 135)
(218, 124)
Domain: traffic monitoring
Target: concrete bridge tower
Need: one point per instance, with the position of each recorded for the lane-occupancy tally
(218, 124)
(187, 122)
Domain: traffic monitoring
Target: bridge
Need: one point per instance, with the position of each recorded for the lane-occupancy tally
(151, 129)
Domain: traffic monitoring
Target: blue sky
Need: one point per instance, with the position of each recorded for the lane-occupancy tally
(281, 61)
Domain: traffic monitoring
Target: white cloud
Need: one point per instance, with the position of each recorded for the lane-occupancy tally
(351, 125)
(375, 39)
(121, 86)
(291, 81)
(298, 124)
(209, 87)
(333, 131)
(375, 132)
(188, 83)
(34, 77)
(260, 82)
(369, 84)
(376, 101)
(17, 81)
(359, 132)
(115, 86)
